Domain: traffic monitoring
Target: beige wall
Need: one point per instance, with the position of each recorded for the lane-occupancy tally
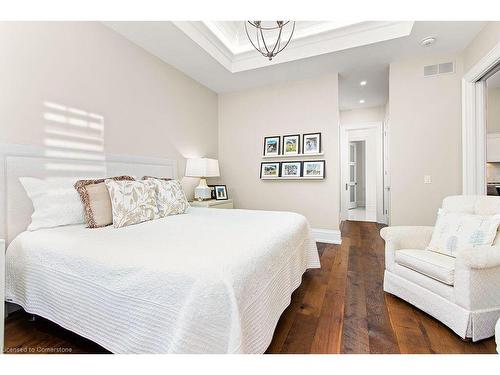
(246, 117)
(493, 116)
(360, 115)
(149, 108)
(493, 126)
(485, 41)
(425, 139)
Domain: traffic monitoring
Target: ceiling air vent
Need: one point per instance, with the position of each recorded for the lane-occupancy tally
(438, 69)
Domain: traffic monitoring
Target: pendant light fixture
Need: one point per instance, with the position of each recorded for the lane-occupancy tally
(269, 37)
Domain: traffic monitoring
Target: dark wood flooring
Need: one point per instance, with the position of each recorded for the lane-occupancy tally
(340, 308)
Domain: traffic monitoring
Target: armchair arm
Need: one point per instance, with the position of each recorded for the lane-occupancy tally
(477, 276)
(408, 237)
(404, 237)
(481, 257)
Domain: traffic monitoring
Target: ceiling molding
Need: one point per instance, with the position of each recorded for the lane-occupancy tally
(206, 39)
(222, 41)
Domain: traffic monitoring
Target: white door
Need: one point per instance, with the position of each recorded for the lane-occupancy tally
(351, 184)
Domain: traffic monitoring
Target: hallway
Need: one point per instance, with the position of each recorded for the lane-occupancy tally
(361, 214)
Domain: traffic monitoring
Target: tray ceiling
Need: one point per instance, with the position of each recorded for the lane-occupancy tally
(366, 62)
(227, 42)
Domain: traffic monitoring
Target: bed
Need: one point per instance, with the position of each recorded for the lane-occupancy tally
(207, 281)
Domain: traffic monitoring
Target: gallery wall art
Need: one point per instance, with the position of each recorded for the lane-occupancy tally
(296, 145)
(291, 145)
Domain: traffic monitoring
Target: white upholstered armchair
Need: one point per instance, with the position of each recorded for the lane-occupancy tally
(463, 292)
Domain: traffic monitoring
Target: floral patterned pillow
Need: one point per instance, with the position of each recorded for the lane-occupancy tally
(132, 202)
(171, 199)
(458, 231)
(95, 199)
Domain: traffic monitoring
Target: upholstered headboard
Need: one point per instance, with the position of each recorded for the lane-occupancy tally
(32, 161)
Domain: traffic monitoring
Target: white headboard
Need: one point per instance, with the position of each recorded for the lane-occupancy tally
(33, 161)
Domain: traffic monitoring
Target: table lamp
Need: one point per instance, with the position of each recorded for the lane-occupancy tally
(202, 168)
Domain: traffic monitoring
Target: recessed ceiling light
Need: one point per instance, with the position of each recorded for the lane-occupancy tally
(362, 83)
(427, 42)
(362, 101)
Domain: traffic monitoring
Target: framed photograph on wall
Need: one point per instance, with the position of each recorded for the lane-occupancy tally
(269, 170)
(220, 192)
(311, 143)
(272, 146)
(291, 169)
(313, 169)
(291, 144)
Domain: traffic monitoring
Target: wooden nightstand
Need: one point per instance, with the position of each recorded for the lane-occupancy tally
(212, 203)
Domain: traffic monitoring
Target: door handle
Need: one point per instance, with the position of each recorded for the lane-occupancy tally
(346, 186)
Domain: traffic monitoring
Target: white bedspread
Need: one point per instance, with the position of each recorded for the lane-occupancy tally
(208, 281)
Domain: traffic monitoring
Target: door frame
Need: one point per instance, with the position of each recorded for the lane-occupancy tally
(343, 153)
(474, 123)
(354, 183)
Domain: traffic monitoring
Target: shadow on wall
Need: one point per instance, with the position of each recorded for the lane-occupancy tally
(73, 134)
(76, 137)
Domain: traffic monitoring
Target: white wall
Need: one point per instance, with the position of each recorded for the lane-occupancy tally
(361, 115)
(425, 139)
(484, 42)
(149, 108)
(246, 117)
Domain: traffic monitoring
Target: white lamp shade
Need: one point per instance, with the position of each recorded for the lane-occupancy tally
(202, 167)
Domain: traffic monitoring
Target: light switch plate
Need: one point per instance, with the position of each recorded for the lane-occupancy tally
(427, 179)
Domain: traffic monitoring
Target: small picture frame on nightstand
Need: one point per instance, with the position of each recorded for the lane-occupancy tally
(221, 193)
(212, 191)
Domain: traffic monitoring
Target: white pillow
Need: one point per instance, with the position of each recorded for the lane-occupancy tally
(55, 202)
(457, 231)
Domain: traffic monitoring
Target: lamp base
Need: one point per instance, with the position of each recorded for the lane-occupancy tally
(202, 191)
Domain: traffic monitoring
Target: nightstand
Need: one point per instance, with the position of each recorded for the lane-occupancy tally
(213, 203)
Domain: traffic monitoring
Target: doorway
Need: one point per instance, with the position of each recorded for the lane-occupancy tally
(356, 183)
(474, 123)
(362, 170)
(493, 133)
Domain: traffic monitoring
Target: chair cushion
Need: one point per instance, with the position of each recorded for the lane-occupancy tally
(429, 263)
(458, 231)
(474, 204)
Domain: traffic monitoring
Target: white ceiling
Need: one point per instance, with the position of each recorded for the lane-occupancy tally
(227, 42)
(233, 35)
(367, 62)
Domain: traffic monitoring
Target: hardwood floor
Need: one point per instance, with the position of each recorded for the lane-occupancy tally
(340, 308)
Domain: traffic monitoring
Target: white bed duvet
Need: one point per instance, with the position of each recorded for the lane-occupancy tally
(208, 281)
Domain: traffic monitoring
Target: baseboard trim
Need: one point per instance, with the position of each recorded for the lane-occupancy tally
(327, 236)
